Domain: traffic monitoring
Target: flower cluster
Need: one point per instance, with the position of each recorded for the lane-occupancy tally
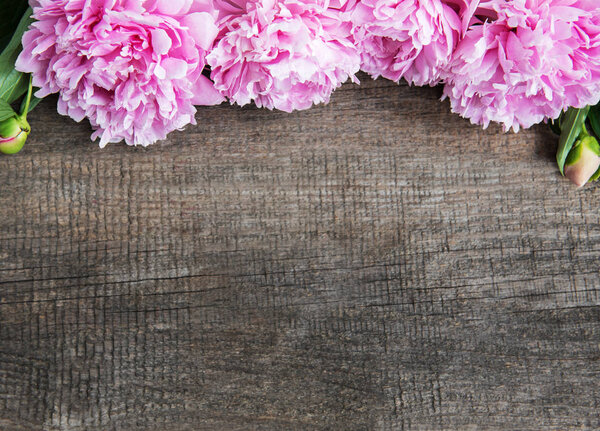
(133, 68)
(137, 68)
(284, 54)
(528, 62)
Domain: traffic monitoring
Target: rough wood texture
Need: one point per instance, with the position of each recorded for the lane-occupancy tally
(374, 264)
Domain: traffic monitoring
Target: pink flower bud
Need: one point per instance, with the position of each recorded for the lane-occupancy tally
(13, 134)
(583, 161)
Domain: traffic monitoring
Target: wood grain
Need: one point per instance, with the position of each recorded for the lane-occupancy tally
(374, 264)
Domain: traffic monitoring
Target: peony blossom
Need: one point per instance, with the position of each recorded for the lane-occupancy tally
(527, 62)
(410, 39)
(132, 67)
(285, 54)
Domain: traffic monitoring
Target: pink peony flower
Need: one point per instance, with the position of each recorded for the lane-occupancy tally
(285, 54)
(529, 61)
(410, 39)
(133, 67)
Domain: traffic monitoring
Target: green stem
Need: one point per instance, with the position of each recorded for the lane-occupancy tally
(584, 133)
(23, 115)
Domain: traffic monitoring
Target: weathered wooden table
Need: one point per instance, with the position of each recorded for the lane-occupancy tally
(374, 264)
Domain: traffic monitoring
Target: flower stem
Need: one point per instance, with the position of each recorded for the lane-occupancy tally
(584, 133)
(23, 115)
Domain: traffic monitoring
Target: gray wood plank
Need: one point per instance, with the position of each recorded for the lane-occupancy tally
(374, 264)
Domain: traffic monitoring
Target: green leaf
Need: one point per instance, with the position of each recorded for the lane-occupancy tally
(15, 40)
(594, 118)
(13, 84)
(11, 12)
(6, 111)
(571, 127)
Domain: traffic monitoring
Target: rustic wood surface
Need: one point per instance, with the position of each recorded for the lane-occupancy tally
(374, 264)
